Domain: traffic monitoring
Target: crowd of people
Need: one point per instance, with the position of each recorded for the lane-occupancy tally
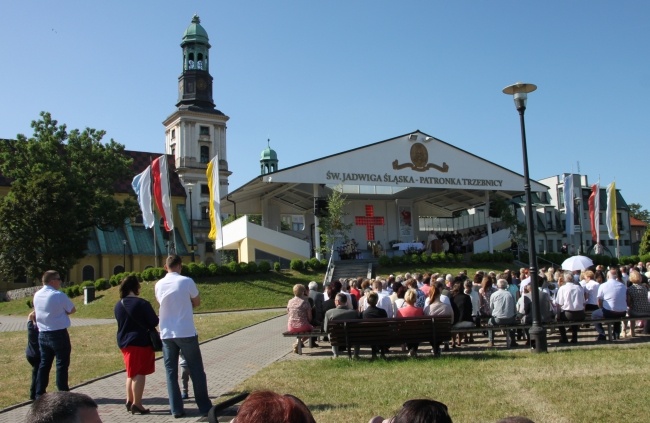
(136, 332)
(487, 299)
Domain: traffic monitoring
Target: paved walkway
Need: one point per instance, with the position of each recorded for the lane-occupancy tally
(19, 324)
(228, 361)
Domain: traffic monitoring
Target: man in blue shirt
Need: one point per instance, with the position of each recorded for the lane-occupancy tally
(53, 308)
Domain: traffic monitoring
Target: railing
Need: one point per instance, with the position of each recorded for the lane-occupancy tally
(330, 267)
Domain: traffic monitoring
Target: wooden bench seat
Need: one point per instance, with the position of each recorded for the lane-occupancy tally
(388, 332)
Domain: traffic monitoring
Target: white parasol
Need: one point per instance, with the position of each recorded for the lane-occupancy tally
(577, 263)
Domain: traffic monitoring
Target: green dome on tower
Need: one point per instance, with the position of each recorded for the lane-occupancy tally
(195, 33)
(269, 154)
(268, 160)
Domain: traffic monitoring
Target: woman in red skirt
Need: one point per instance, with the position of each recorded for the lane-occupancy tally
(135, 317)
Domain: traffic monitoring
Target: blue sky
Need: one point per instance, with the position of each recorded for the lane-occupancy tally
(320, 77)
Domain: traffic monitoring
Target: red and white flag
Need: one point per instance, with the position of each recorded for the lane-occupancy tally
(161, 192)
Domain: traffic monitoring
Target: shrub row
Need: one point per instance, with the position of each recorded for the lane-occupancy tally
(419, 258)
(497, 257)
(299, 265)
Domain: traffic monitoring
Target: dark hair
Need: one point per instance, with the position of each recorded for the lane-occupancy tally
(372, 298)
(422, 411)
(269, 407)
(58, 407)
(343, 299)
(456, 288)
(395, 286)
(129, 284)
(49, 275)
(173, 260)
(401, 290)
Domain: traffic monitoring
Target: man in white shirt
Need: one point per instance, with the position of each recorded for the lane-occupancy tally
(570, 299)
(177, 296)
(384, 300)
(612, 300)
(53, 308)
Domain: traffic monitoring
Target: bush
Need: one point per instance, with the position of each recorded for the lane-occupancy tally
(213, 268)
(242, 268)
(264, 266)
(396, 260)
(384, 261)
(148, 274)
(29, 304)
(414, 258)
(324, 263)
(314, 263)
(276, 266)
(297, 264)
(86, 283)
(159, 272)
(224, 269)
(75, 290)
(252, 267)
(425, 258)
(233, 267)
(102, 284)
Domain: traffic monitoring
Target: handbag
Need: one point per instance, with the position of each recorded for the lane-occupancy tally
(154, 335)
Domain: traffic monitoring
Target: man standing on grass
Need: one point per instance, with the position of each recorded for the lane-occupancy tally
(177, 296)
(53, 308)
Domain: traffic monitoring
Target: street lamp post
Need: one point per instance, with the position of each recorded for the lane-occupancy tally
(124, 255)
(578, 209)
(189, 186)
(520, 92)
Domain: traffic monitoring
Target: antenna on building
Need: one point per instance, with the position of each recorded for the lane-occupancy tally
(578, 162)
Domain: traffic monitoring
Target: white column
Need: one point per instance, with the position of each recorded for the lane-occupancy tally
(488, 221)
(316, 230)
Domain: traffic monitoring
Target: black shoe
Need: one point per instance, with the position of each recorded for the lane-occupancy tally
(574, 341)
(179, 415)
(601, 338)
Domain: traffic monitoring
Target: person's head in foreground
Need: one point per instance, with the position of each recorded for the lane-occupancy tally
(419, 411)
(269, 407)
(63, 407)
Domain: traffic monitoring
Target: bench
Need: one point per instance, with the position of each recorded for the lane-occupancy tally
(299, 335)
(388, 332)
(608, 322)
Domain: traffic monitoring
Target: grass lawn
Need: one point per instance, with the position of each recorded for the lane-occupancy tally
(90, 358)
(582, 385)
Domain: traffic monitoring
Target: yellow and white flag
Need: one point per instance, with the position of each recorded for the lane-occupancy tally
(612, 221)
(215, 199)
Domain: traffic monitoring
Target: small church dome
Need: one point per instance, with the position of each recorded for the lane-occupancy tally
(269, 154)
(195, 32)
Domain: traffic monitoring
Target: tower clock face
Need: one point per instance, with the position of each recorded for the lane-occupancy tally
(201, 84)
(180, 87)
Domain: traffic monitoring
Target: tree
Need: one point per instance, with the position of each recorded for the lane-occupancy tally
(637, 212)
(644, 246)
(332, 227)
(62, 187)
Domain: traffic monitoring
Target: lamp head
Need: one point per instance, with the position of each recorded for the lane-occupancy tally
(520, 91)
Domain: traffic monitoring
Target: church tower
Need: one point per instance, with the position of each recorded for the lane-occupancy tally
(195, 132)
(268, 160)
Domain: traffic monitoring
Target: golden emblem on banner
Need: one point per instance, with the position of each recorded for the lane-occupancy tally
(419, 160)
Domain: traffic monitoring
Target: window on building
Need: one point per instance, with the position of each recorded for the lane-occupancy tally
(587, 242)
(549, 222)
(205, 211)
(610, 242)
(205, 154)
(173, 151)
(559, 244)
(118, 269)
(549, 246)
(619, 218)
(173, 134)
(205, 190)
(88, 273)
(541, 245)
(560, 197)
(204, 130)
(209, 247)
(294, 222)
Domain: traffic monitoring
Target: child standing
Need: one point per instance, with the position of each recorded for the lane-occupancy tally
(32, 352)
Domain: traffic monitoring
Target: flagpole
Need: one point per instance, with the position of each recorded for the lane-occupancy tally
(155, 246)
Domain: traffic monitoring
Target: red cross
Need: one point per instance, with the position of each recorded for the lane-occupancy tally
(369, 221)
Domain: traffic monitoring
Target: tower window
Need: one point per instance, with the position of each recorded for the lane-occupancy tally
(205, 211)
(204, 130)
(205, 190)
(199, 61)
(173, 134)
(205, 154)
